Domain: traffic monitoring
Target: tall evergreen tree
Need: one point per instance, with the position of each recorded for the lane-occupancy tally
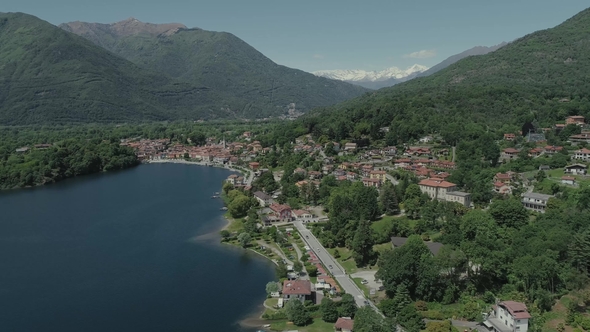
(388, 199)
(362, 244)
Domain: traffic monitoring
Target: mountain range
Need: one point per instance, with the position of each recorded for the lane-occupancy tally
(392, 76)
(373, 79)
(541, 77)
(134, 71)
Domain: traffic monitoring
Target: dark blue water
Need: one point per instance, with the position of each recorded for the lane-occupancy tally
(127, 251)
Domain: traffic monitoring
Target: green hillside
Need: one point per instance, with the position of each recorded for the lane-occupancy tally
(543, 76)
(50, 76)
(249, 83)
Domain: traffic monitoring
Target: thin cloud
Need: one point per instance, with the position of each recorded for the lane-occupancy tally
(423, 54)
(318, 56)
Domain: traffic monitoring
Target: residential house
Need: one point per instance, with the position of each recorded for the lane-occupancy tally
(366, 170)
(232, 179)
(575, 119)
(504, 177)
(368, 182)
(434, 247)
(575, 169)
(569, 180)
(426, 139)
(509, 154)
(502, 188)
(315, 175)
(583, 137)
(509, 137)
(437, 188)
(42, 146)
(379, 175)
(300, 170)
(302, 215)
(254, 165)
(389, 151)
(282, 211)
(535, 201)
(327, 169)
(23, 149)
(297, 289)
(582, 154)
(552, 149)
(544, 168)
(350, 146)
(536, 152)
(263, 198)
(460, 197)
(344, 324)
(508, 316)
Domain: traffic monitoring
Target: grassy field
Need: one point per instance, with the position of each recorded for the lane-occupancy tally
(235, 225)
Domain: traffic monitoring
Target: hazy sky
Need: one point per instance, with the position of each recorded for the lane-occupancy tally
(332, 34)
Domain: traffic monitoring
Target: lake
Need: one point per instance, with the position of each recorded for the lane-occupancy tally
(135, 250)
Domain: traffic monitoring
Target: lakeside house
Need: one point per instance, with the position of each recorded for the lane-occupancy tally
(535, 201)
(283, 212)
(297, 289)
(508, 316)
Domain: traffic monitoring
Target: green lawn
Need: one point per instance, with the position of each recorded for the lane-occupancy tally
(380, 248)
(235, 225)
(362, 287)
(272, 302)
(345, 259)
(318, 325)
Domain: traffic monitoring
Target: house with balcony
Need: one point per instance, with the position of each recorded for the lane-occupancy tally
(582, 154)
(575, 120)
(508, 316)
(575, 169)
(535, 201)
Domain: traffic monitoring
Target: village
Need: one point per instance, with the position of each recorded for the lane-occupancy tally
(428, 160)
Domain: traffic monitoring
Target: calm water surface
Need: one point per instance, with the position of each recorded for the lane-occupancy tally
(127, 251)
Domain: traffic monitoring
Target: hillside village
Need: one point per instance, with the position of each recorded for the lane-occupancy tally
(291, 195)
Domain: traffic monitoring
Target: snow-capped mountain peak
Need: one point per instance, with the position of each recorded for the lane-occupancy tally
(359, 75)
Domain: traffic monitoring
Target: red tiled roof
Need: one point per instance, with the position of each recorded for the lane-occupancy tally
(511, 150)
(344, 323)
(499, 184)
(297, 287)
(279, 207)
(436, 182)
(568, 178)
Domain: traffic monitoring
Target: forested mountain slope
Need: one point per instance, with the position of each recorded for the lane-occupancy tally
(543, 76)
(248, 83)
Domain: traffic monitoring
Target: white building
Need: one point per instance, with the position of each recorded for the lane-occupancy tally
(582, 154)
(508, 316)
(535, 201)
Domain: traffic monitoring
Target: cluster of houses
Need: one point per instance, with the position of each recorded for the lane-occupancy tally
(36, 146)
(273, 212)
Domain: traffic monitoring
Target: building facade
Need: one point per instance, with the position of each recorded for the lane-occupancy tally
(508, 316)
(535, 201)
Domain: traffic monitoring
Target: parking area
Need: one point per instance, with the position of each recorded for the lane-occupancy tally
(369, 276)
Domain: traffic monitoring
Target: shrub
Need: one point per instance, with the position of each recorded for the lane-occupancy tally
(432, 314)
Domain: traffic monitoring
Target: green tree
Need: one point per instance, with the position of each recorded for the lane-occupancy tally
(225, 234)
(411, 264)
(281, 270)
(239, 206)
(227, 186)
(312, 270)
(297, 266)
(410, 319)
(509, 213)
(362, 244)
(329, 310)
(244, 239)
(540, 176)
(347, 306)
(272, 287)
(297, 313)
(388, 199)
(413, 192)
(367, 320)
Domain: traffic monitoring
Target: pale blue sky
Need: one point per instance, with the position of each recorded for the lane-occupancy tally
(332, 34)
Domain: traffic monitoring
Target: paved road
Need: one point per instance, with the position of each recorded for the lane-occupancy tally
(337, 271)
